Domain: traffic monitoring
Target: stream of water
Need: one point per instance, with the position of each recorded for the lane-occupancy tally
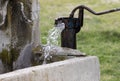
(52, 40)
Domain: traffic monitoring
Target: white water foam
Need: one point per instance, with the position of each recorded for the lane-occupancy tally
(52, 39)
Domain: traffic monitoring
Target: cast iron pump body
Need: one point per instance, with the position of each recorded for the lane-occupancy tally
(73, 25)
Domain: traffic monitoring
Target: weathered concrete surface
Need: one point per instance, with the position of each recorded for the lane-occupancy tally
(76, 69)
(19, 26)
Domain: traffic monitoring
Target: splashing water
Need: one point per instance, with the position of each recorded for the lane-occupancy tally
(52, 39)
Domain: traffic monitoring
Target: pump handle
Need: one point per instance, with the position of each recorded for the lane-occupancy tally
(93, 12)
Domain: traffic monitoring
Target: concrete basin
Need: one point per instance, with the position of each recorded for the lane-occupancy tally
(75, 69)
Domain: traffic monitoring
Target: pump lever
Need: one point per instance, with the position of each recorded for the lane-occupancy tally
(93, 12)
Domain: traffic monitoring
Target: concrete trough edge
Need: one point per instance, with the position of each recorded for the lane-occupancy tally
(75, 69)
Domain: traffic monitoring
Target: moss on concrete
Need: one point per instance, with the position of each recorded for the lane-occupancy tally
(5, 56)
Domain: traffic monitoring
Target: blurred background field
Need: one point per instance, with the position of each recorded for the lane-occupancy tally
(100, 35)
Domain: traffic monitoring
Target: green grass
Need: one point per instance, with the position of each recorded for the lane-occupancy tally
(100, 35)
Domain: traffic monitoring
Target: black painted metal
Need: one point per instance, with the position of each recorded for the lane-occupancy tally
(73, 25)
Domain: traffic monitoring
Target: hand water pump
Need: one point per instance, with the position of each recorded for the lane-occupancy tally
(73, 25)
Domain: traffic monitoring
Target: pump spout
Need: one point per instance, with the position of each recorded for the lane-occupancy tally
(73, 25)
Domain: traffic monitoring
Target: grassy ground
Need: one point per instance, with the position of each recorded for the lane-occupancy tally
(99, 36)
